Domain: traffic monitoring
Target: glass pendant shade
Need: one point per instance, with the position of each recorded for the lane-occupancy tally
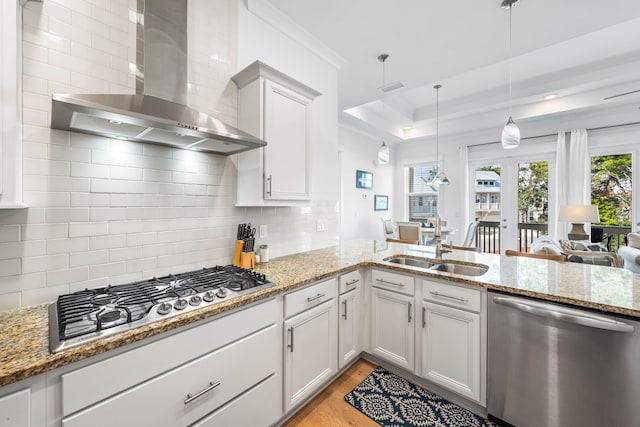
(383, 154)
(510, 135)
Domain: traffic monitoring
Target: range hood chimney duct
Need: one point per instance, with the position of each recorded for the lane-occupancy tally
(158, 112)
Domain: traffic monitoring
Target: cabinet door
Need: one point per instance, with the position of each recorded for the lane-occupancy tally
(348, 327)
(286, 157)
(310, 354)
(451, 349)
(15, 409)
(392, 327)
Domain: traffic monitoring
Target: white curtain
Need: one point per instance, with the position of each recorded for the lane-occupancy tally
(573, 174)
(463, 161)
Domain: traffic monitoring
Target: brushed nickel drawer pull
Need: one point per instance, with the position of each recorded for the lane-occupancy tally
(310, 299)
(353, 282)
(438, 294)
(270, 182)
(291, 342)
(409, 312)
(424, 317)
(345, 309)
(191, 397)
(390, 283)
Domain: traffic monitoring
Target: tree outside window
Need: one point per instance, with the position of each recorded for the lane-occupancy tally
(611, 185)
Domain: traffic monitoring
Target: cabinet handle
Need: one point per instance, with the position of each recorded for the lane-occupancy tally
(390, 283)
(345, 309)
(353, 282)
(269, 182)
(290, 345)
(409, 312)
(310, 299)
(211, 386)
(438, 294)
(424, 317)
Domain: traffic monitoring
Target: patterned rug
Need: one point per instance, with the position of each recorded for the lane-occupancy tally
(392, 401)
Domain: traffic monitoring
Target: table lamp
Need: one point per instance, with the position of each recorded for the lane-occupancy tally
(578, 215)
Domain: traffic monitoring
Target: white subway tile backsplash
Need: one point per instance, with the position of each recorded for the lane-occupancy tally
(69, 275)
(45, 167)
(9, 233)
(69, 154)
(35, 85)
(117, 172)
(57, 11)
(43, 295)
(10, 267)
(46, 71)
(43, 231)
(123, 254)
(61, 246)
(81, 229)
(59, 183)
(107, 242)
(88, 199)
(35, 52)
(66, 215)
(89, 170)
(44, 263)
(31, 35)
(156, 175)
(11, 250)
(141, 264)
(69, 31)
(37, 183)
(22, 282)
(107, 270)
(10, 301)
(43, 199)
(135, 239)
(108, 214)
(88, 258)
(126, 200)
(34, 117)
(88, 284)
(34, 150)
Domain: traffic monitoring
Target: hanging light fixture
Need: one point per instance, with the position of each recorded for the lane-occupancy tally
(438, 178)
(383, 151)
(511, 133)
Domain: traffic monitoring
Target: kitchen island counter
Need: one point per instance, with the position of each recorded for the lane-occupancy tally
(25, 352)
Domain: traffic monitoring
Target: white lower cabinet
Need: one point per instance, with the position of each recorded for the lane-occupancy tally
(200, 374)
(392, 333)
(348, 327)
(23, 404)
(451, 338)
(310, 353)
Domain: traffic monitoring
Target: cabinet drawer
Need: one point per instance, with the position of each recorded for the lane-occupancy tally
(349, 281)
(208, 382)
(306, 298)
(263, 401)
(148, 361)
(452, 295)
(393, 281)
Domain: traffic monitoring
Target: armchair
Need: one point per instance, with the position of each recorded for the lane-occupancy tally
(631, 253)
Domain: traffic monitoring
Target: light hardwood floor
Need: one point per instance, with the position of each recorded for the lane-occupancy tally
(329, 408)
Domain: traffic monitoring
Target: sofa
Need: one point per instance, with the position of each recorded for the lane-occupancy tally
(631, 253)
(577, 251)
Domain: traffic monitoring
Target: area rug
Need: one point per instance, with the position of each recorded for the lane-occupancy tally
(392, 401)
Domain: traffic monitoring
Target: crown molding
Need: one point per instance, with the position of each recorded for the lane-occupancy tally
(264, 10)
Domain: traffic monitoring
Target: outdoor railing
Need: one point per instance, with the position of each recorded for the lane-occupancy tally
(488, 235)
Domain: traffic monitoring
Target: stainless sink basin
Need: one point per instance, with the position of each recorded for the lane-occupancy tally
(463, 269)
(445, 266)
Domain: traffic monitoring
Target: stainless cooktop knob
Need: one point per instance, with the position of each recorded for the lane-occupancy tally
(180, 304)
(164, 308)
(195, 300)
(222, 292)
(209, 296)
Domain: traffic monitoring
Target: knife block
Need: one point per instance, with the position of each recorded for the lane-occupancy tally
(238, 252)
(248, 260)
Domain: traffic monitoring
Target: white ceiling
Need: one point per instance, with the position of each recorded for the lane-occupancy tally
(580, 50)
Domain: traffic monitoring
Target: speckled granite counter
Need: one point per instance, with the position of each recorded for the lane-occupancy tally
(24, 333)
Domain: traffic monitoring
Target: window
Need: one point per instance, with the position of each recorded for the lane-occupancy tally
(611, 191)
(422, 198)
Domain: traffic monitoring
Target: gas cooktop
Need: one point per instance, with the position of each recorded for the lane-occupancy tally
(88, 315)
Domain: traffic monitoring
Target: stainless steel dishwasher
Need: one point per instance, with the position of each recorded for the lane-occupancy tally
(551, 365)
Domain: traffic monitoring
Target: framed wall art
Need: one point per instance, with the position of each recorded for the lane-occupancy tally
(364, 179)
(380, 203)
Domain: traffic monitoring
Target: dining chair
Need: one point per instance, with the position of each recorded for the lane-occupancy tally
(559, 258)
(470, 239)
(388, 228)
(409, 230)
(411, 242)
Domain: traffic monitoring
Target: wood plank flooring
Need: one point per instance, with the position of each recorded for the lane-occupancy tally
(329, 408)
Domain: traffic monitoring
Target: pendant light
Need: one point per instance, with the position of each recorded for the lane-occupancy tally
(383, 151)
(438, 178)
(511, 133)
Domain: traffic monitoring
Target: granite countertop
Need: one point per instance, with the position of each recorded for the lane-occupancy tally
(24, 332)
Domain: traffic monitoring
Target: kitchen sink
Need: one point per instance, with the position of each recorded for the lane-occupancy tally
(444, 266)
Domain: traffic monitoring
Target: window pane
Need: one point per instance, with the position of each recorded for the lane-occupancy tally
(422, 197)
(611, 191)
(487, 207)
(533, 202)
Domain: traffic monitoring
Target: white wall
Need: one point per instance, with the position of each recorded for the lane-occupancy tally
(359, 220)
(104, 211)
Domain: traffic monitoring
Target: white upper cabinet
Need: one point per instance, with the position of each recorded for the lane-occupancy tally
(10, 105)
(276, 108)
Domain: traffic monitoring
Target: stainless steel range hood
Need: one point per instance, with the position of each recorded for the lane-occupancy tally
(158, 113)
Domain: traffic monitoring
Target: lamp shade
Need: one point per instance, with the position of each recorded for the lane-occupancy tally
(579, 213)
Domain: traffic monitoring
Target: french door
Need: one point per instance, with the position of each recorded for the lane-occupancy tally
(511, 197)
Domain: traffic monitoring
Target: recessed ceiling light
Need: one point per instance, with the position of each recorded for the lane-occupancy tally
(550, 96)
(115, 122)
(407, 127)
